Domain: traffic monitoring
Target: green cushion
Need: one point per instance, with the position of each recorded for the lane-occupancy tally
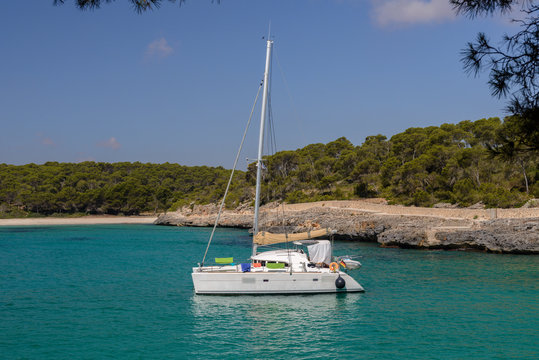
(275, 265)
(227, 260)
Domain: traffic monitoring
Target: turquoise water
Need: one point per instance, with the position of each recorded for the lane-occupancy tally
(125, 292)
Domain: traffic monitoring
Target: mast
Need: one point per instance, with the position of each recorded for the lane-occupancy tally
(269, 46)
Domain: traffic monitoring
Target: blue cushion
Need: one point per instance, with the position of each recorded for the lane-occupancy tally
(246, 267)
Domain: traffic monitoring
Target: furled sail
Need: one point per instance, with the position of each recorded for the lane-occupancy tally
(267, 238)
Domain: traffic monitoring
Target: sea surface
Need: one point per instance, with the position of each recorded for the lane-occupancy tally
(125, 292)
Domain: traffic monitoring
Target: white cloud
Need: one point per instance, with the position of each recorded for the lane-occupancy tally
(407, 12)
(111, 143)
(159, 48)
(47, 141)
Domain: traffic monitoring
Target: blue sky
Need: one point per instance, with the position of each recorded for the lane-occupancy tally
(177, 84)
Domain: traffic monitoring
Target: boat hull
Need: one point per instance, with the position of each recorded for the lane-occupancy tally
(237, 283)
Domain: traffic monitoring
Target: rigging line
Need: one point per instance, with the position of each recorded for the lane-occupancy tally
(297, 117)
(300, 129)
(271, 135)
(272, 148)
(280, 215)
(269, 118)
(232, 174)
(269, 142)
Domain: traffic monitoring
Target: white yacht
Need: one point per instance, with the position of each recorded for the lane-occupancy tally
(303, 267)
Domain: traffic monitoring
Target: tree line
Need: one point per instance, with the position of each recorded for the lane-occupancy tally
(104, 188)
(451, 163)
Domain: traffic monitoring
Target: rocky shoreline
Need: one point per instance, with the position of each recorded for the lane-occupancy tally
(390, 228)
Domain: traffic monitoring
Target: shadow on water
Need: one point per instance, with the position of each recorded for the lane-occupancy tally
(25, 229)
(77, 238)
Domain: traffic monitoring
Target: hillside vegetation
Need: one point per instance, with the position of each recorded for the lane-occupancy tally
(103, 188)
(453, 163)
(420, 166)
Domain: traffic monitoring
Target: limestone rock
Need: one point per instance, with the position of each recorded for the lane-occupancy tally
(518, 235)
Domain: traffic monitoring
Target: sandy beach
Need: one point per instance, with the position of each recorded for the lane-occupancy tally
(374, 206)
(85, 220)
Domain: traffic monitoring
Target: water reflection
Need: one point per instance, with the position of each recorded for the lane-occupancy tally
(305, 323)
(262, 307)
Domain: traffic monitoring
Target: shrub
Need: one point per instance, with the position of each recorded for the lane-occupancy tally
(422, 198)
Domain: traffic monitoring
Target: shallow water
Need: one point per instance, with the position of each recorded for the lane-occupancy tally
(125, 291)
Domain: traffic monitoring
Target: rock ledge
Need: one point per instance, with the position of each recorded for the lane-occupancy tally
(507, 235)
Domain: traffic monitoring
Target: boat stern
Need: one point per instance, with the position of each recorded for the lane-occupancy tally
(350, 284)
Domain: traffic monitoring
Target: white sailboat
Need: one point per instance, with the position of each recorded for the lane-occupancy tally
(286, 271)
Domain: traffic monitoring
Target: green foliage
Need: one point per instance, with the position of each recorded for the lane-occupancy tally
(534, 191)
(420, 166)
(464, 192)
(103, 188)
(493, 195)
(362, 190)
(140, 6)
(421, 198)
(512, 65)
(297, 196)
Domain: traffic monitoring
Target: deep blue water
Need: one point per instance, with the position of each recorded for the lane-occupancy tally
(125, 292)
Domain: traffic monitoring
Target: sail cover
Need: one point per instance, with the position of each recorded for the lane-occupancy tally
(266, 238)
(320, 253)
